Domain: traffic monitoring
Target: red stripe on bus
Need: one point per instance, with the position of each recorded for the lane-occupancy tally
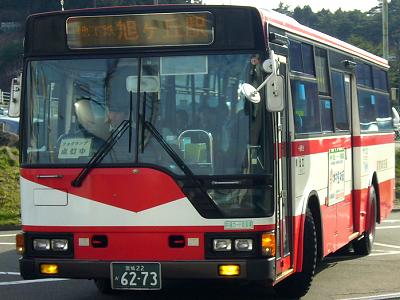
(133, 189)
(372, 140)
(307, 147)
(140, 247)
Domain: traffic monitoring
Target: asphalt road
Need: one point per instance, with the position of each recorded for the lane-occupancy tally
(342, 276)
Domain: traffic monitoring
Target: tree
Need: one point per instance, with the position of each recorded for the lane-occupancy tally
(284, 9)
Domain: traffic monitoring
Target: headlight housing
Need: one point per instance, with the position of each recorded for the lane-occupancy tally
(59, 244)
(49, 244)
(41, 244)
(243, 245)
(222, 245)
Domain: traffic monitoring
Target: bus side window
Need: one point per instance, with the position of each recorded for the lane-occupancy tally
(306, 106)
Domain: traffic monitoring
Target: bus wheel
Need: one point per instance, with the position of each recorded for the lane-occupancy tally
(298, 284)
(103, 285)
(363, 245)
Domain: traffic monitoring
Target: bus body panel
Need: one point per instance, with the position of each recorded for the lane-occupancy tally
(139, 209)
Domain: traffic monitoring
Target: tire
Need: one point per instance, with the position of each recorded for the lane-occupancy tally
(298, 284)
(103, 285)
(363, 245)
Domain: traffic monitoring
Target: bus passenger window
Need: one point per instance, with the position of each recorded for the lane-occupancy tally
(367, 102)
(306, 107)
(339, 98)
(326, 115)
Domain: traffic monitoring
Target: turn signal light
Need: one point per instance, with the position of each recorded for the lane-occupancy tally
(229, 270)
(49, 269)
(20, 243)
(268, 244)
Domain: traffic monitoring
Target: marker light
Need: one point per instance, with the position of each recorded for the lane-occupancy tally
(20, 243)
(59, 244)
(49, 269)
(243, 244)
(229, 270)
(268, 244)
(41, 244)
(222, 244)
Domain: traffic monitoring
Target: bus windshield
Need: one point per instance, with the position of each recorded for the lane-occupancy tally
(194, 102)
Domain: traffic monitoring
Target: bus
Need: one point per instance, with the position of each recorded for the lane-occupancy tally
(197, 142)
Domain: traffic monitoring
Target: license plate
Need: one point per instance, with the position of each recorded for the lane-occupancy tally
(136, 276)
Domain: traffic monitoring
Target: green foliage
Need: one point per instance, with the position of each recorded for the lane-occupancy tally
(9, 183)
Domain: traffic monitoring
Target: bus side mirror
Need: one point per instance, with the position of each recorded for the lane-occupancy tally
(274, 84)
(15, 98)
(275, 101)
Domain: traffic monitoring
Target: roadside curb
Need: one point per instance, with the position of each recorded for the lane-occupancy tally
(10, 227)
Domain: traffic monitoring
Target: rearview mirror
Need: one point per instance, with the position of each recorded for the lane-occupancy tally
(15, 98)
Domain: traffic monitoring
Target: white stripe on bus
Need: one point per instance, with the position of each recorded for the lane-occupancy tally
(7, 243)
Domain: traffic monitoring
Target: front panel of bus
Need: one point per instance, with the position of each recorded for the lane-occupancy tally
(139, 147)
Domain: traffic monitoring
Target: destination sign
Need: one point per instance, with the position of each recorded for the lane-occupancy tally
(140, 30)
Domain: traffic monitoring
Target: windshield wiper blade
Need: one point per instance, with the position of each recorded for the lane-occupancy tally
(181, 164)
(101, 153)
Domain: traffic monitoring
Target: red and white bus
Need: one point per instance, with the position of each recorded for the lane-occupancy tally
(198, 142)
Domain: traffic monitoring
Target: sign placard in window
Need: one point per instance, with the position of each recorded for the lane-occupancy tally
(140, 30)
(74, 148)
(337, 159)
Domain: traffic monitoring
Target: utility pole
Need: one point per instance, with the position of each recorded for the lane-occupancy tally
(385, 29)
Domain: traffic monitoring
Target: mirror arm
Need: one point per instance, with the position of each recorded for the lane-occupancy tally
(271, 66)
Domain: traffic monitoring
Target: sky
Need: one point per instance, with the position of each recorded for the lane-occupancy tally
(316, 5)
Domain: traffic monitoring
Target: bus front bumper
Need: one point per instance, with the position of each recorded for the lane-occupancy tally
(250, 269)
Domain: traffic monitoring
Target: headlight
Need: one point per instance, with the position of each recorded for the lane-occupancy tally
(59, 244)
(222, 244)
(41, 244)
(243, 244)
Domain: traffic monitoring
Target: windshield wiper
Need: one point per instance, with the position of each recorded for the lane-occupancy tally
(101, 153)
(181, 164)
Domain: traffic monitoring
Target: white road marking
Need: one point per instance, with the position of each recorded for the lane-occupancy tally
(377, 297)
(387, 245)
(384, 253)
(7, 235)
(388, 227)
(7, 243)
(32, 281)
(391, 221)
(10, 273)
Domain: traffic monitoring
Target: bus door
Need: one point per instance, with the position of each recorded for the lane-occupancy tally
(283, 209)
(344, 208)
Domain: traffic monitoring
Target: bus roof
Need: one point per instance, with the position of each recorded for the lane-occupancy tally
(291, 25)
